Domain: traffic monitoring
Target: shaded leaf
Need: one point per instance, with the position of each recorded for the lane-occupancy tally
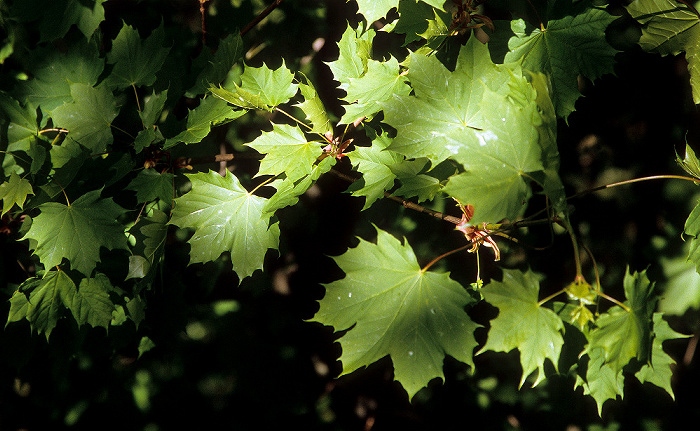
(210, 112)
(77, 232)
(522, 323)
(136, 60)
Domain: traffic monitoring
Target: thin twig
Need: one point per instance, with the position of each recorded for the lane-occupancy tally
(260, 17)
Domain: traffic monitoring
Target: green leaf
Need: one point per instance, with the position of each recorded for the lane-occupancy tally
(377, 9)
(355, 50)
(13, 192)
(482, 115)
(21, 122)
(414, 19)
(210, 112)
(286, 151)
(690, 162)
(692, 228)
(47, 297)
(215, 67)
(288, 191)
(660, 370)
(88, 118)
(565, 48)
(91, 303)
(416, 317)
(136, 60)
(523, 323)
(603, 382)
(152, 108)
(681, 290)
(150, 185)
(261, 88)
(624, 334)
(668, 28)
(314, 109)
(77, 232)
(225, 217)
(54, 72)
(376, 86)
(57, 16)
(378, 166)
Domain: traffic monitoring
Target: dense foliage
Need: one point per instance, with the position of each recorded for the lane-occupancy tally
(200, 197)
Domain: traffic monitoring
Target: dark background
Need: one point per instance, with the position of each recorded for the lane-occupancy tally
(262, 365)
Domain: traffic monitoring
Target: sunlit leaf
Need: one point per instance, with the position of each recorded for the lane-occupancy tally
(416, 317)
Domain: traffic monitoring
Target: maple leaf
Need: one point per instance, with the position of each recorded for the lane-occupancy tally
(314, 110)
(287, 150)
(136, 60)
(41, 301)
(88, 118)
(90, 304)
(55, 71)
(523, 323)
(626, 333)
(660, 369)
(471, 116)
(211, 112)
(261, 88)
(13, 192)
(150, 185)
(670, 27)
(377, 9)
(355, 50)
(603, 382)
(225, 217)
(22, 126)
(366, 93)
(565, 48)
(414, 316)
(77, 232)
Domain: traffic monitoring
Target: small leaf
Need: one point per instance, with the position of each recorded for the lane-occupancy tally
(91, 303)
(210, 112)
(13, 192)
(660, 370)
(77, 232)
(690, 162)
(225, 217)
(625, 335)
(355, 49)
(261, 88)
(47, 296)
(314, 109)
(522, 323)
(150, 185)
(287, 151)
(414, 316)
(603, 382)
(215, 67)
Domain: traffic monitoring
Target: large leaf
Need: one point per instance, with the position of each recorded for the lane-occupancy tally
(565, 48)
(603, 382)
(149, 185)
(482, 115)
(77, 232)
(54, 72)
(670, 27)
(225, 217)
(391, 307)
(522, 323)
(88, 118)
(286, 151)
(136, 60)
(91, 303)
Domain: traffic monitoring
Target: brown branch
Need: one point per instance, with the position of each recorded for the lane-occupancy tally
(260, 17)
